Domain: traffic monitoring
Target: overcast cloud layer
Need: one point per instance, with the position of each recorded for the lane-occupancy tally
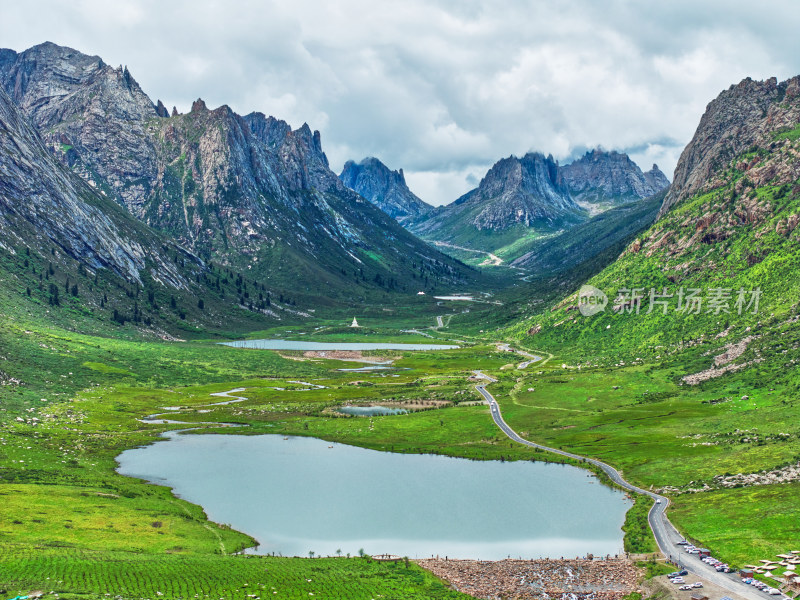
(441, 89)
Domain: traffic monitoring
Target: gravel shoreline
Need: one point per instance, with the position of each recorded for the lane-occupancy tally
(553, 579)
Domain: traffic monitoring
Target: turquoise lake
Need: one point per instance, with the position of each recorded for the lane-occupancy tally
(299, 494)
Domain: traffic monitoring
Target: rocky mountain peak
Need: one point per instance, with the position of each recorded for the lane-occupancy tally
(746, 115)
(529, 191)
(161, 110)
(602, 177)
(269, 130)
(383, 187)
(199, 105)
(79, 104)
(656, 178)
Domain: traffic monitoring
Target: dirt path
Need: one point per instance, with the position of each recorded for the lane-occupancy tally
(492, 260)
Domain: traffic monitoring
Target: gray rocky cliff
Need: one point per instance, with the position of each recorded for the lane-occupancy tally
(383, 187)
(744, 116)
(43, 203)
(94, 117)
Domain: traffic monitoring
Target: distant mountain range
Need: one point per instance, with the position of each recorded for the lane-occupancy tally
(518, 201)
(245, 191)
(153, 195)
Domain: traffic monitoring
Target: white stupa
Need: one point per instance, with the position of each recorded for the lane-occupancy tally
(354, 323)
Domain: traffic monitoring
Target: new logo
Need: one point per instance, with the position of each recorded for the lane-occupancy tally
(591, 300)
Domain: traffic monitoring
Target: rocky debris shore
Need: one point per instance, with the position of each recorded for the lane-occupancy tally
(347, 355)
(787, 474)
(567, 579)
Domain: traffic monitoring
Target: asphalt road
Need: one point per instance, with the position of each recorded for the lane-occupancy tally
(664, 532)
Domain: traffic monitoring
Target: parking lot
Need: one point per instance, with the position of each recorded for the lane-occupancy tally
(714, 592)
(683, 584)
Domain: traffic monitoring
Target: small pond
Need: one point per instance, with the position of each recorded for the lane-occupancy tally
(371, 411)
(321, 346)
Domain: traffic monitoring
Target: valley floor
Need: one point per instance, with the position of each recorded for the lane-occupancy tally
(72, 525)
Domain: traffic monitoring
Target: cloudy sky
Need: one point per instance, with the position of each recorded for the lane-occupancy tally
(441, 88)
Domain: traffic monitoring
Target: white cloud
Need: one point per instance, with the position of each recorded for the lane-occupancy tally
(442, 89)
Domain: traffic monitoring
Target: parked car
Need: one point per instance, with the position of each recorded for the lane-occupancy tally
(683, 543)
(774, 592)
(697, 584)
(686, 587)
(682, 573)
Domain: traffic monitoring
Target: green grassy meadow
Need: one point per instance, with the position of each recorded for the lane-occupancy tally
(86, 394)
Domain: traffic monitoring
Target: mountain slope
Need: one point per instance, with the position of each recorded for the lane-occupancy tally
(43, 204)
(72, 257)
(384, 188)
(609, 231)
(743, 116)
(245, 191)
(92, 116)
(610, 178)
(730, 231)
(688, 380)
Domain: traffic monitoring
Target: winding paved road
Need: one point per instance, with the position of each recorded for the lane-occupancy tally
(667, 537)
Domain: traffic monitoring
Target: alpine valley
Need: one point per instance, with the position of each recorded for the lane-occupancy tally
(589, 314)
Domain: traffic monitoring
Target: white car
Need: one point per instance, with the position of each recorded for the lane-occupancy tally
(774, 592)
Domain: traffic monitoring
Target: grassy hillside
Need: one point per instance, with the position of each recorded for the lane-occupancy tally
(685, 400)
(607, 232)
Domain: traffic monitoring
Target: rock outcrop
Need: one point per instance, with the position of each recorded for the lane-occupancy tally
(44, 205)
(743, 117)
(94, 117)
(386, 189)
